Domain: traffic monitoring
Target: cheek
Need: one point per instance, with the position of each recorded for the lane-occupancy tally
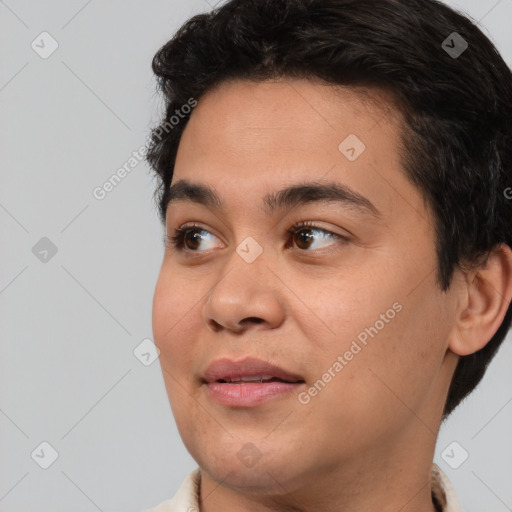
(345, 307)
(175, 304)
(171, 317)
(406, 362)
(391, 343)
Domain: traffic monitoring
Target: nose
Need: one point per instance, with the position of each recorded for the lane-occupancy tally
(246, 297)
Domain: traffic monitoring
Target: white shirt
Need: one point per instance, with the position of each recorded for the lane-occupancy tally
(186, 498)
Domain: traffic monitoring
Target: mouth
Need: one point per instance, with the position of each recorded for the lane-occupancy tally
(254, 379)
(248, 382)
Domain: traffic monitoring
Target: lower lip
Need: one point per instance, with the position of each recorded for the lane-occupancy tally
(249, 394)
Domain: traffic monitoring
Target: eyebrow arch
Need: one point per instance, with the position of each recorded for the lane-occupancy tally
(295, 195)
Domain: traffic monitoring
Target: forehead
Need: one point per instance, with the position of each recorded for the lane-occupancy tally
(300, 113)
(252, 138)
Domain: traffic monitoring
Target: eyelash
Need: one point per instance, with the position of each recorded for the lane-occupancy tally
(176, 241)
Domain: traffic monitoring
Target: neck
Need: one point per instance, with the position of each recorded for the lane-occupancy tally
(394, 479)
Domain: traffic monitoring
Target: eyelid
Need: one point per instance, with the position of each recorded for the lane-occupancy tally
(176, 240)
(180, 232)
(312, 225)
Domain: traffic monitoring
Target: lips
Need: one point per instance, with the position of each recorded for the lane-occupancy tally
(248, 383)
(252, 378)
(247, 370)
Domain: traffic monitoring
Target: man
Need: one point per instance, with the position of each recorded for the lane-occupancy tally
(337, 272)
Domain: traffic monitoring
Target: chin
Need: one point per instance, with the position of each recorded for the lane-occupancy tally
(261, 470)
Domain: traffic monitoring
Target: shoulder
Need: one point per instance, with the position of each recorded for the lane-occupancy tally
(443, 491)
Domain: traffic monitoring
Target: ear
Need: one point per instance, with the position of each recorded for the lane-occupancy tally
(488, 293)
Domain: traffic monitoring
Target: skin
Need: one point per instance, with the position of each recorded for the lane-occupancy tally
(366, 441)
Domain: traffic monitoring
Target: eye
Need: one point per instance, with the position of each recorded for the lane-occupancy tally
(305, 238)
(189, 237)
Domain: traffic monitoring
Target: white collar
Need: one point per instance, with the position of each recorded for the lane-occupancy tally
(186, 498)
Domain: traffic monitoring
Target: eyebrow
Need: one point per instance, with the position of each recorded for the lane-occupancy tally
(287, 198)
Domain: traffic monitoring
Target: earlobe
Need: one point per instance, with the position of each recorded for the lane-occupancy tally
(489, 293)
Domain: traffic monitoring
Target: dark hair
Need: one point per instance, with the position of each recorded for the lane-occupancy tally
(457, 142)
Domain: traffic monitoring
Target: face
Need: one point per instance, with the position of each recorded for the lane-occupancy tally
(342, 313)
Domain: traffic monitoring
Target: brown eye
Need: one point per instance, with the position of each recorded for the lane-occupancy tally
(306, 234)
(189, 238)
(304, 238)
(192, 239)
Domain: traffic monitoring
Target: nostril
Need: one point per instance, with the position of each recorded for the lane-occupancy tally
(239, 327)
(214, 326)
(254, 319)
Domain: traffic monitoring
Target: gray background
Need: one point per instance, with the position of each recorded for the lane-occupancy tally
(69, 326)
